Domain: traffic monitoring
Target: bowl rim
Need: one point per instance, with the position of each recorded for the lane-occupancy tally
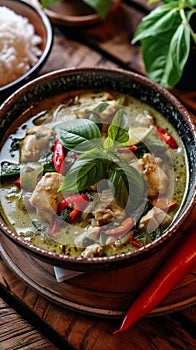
(49, 42)
(61, 18)
(78, 262)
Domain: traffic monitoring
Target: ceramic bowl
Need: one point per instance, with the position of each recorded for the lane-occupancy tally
(74, 14)
(132, 84)
(43, 28)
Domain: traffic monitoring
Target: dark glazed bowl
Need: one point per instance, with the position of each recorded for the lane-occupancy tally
(132, 84)
(43, 28)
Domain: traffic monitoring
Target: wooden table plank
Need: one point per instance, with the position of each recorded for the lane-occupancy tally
(16, 333)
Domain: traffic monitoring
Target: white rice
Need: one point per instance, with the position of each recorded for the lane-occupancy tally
(19, 49)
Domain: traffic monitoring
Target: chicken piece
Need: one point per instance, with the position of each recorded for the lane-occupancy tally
(153, 219)
(45, 197)
(155, 175)
(92, 250)
(36, 143)
(91, 232)
(107, 209)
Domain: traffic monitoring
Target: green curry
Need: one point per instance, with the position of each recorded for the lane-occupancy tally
(92, 174)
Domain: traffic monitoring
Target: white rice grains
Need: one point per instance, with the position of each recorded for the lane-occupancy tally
(19, 49)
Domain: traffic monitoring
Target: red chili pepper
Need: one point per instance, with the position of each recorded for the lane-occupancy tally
(127, 149)
(133, 242)
(53, 228)
(177, 264)
(17, 182)
(167, 138)
(78, 202)
(58, 156)
(164, 203)
(125, 226)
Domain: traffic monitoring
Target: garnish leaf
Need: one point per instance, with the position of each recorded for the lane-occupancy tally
(82, 134)
(89, 169)
(118, 130)
(129, 186)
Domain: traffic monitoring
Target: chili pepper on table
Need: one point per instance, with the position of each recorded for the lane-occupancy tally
(166, 137)
(75, 204)
(58, 156)
(177, 264)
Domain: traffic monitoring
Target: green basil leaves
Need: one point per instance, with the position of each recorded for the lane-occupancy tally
(99, 159)
(165, 36)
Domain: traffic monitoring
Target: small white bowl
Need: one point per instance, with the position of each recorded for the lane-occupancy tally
(43, 28)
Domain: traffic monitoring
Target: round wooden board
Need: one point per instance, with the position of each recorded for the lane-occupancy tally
(41, 277)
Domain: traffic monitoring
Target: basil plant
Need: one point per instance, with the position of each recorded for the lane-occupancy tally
(166, 37)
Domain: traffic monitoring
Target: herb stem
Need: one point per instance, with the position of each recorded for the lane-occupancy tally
(185, 21)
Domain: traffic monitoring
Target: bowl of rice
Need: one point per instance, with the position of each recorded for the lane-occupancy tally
(25, 43)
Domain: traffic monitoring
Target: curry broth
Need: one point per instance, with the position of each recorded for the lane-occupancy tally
(29, 225)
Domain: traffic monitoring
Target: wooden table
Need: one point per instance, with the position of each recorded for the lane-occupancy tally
(29, 321)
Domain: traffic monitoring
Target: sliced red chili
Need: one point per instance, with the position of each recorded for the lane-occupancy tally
(76, 203)
(165, 203)
(127, 149)
(58, 156)
(54, 228)
(17, 182)
(167, 138)
(133, 242)
(125, 226)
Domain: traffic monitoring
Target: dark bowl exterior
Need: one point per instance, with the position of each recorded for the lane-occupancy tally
(134, 85)
(43, 28)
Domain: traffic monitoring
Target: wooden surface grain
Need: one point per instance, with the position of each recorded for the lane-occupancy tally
(27, 319)
(163, 332)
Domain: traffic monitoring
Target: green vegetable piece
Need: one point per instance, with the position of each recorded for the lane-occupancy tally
(9, 169)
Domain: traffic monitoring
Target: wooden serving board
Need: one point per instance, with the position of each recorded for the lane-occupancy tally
(41, 277)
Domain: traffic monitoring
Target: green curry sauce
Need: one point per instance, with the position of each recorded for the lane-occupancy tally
(100, 108)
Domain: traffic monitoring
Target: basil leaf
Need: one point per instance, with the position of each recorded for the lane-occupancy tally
(161, 21)
(118, 130)
(86, 171)
(190, 3)
(82, 134)
(177, 55)
(129, 186)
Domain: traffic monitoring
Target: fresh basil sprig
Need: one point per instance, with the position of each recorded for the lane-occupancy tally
(165, 35)
(99, 159)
